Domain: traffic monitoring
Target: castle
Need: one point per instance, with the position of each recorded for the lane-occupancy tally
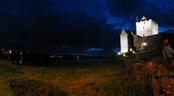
(146, 37)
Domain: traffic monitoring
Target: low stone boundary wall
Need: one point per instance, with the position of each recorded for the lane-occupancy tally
(162, 76)
(163, 81)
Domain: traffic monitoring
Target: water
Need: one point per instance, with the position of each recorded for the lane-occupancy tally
(74, 60)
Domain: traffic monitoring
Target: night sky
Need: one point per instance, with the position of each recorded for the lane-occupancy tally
(76, 27)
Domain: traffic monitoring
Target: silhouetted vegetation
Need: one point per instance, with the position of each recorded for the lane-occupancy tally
(151, 54)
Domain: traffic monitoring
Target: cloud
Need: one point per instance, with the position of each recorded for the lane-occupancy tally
(94, 50)
(58, 30)
(78, 25)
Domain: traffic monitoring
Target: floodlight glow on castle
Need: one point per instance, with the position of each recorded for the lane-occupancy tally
(124, 42)
(144, 44)
(146, 27)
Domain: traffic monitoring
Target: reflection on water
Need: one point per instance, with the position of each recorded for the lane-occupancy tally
(77, 58)
(42, 59)
(74, 60)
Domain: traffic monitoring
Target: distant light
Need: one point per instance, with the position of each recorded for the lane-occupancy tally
(144, 44)
(16, 51)
(2, 49)
(77, 58)
(20, 62)
(119, 53)
(51, 56)
(28, 52)
(131, 49)
(124, 54)
(21, 53)
(10, 51)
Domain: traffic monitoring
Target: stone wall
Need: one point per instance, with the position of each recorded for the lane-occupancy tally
(152, 41)
(162, 77)
(137, 41)
(163, 81)
(130, 42)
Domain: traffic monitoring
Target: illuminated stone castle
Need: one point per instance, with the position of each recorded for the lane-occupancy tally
(146, 27)
(126, 40)
(146, 37)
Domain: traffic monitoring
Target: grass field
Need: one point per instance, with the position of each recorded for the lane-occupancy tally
(106, 77)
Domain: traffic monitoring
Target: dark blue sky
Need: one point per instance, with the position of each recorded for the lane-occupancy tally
(85, 27)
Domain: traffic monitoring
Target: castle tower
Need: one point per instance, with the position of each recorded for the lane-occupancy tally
(126, 41)
(146, 27)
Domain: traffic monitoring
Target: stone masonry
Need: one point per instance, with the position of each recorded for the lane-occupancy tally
(162, 77)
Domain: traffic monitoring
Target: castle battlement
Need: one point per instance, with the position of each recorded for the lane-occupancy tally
(146, 27)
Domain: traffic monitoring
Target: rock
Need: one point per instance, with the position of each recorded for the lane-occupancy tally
(163, 71)
(165, 94)
(167, 84)
(162, 81)
(156, 85)
(151, 67)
